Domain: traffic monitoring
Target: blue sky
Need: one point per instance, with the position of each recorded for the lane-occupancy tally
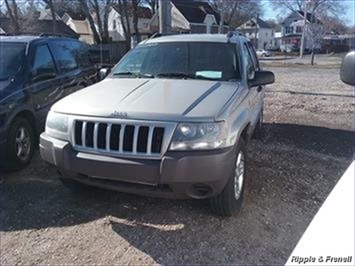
(349, 16)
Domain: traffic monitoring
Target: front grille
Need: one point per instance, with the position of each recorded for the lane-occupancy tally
(127, 139)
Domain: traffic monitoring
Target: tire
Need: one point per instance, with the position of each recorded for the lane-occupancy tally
(258, 131)
(20, 144)
(230, 200)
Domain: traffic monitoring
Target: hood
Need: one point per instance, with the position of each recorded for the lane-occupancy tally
(153, 99)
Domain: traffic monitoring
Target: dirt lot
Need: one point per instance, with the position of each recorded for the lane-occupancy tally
(307, 145)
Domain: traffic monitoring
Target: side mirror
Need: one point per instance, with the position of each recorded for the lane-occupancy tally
(103, 73)
(262, 78)
(347, 69)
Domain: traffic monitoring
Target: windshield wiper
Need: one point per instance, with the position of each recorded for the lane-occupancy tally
(185, 75)
(176, 75)
(205, 78)
(134, 74)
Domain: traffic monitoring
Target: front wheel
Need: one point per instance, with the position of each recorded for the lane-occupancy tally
(230, 200)
(20, 144)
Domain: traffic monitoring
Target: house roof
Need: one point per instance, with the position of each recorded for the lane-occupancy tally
(143, 12)
(75, 15)
(263, 24)
(310, 17)
(40, 26)
(195, 11)
(47, 15)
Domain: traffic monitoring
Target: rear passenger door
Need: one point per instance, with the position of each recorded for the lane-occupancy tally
(44, 81)
(69, 67)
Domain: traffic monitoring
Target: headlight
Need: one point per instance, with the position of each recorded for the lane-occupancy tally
(199, 136)
(57, 125)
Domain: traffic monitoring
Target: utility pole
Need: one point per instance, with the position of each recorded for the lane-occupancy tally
(256, 31)
(304, 28)
(221, 22)
(164, 16)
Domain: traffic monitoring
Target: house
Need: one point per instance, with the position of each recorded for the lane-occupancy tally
(191, 16)
(38, 27)
(265, 33)
(115, 26)
(292, 28)
(78, 22)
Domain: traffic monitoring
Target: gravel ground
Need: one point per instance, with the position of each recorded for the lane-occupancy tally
(307, 145)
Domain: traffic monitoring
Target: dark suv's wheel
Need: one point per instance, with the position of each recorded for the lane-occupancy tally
(230, 200)
(20, 144)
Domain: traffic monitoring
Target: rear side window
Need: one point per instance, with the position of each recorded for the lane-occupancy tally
(250, 67)
(65, 55)
(81, 53)
(253, 55)
(43, 67)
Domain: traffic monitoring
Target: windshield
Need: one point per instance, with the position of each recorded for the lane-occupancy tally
(11, 58)
(186, 60)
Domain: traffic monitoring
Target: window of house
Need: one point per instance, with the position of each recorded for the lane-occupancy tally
(114, 24)
(289, 30)
(299, 29)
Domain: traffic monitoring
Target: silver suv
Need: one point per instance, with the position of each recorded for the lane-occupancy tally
(171, 119)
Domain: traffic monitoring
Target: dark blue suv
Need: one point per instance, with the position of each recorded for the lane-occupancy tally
(35, 72)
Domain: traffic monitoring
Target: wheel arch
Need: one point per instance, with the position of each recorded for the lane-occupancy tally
(26, 114)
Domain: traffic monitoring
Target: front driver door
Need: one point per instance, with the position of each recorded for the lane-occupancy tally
(44, 82)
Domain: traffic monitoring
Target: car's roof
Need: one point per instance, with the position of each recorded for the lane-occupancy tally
(222, 38)
(22, 38)
(30, 38)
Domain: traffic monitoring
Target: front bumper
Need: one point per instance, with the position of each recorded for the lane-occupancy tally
(197, 174)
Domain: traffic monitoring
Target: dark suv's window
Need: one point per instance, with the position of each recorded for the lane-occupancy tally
(65, 55)
(81, 53)
(43, 67)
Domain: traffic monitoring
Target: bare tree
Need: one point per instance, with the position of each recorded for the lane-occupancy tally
(53, 13)
(317, 10)
(87, 12)
(236, 13)
(154, 5)
(12, 10)
(316, 32)
(125, 21)
(318, 7)
(97, 13)
(135, 11)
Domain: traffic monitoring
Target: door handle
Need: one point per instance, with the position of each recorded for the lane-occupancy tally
(259, 89)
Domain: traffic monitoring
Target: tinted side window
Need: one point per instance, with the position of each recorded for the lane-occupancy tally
(248, 61)
(43, 67)
(81, 53)
(65, 55)
(253, 55)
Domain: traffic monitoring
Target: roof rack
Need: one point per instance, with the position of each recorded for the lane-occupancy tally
(230, 34)
(158, 34)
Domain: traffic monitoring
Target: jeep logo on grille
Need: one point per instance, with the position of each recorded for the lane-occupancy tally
(117, 114)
